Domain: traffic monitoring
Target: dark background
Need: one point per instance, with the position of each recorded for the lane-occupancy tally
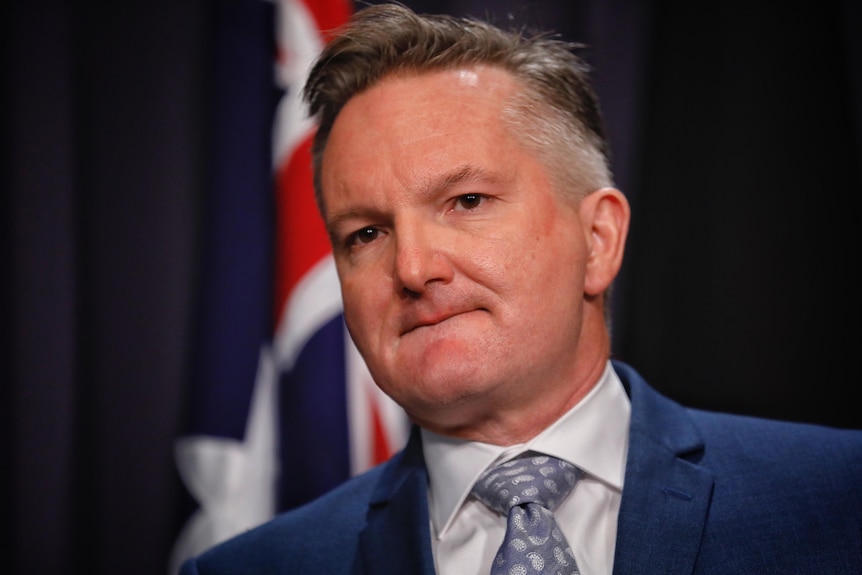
(736, 131)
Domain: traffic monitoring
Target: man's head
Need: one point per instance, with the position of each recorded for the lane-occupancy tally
(473, 252)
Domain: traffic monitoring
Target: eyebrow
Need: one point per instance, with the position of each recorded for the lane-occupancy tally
(465, 173)
(428, 187)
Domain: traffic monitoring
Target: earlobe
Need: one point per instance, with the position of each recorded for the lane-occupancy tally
(605, 214)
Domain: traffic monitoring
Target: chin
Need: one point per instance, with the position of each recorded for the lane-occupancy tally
(432, 391)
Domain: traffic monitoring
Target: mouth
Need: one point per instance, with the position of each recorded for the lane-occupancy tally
(434, 319)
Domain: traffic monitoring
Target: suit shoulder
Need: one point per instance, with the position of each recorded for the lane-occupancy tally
(782, 456)
(783, 438)
(320, 536)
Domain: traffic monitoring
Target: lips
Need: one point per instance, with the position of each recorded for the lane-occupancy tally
(415, 321)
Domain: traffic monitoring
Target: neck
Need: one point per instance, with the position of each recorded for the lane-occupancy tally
(510, 423)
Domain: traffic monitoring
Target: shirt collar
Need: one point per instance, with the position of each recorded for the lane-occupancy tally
(593, 436)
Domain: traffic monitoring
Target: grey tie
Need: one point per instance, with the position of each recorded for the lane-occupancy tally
(528, 490)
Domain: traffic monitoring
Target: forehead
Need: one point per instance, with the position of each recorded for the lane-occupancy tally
(457, 80)
(421, 119)
(482, 91)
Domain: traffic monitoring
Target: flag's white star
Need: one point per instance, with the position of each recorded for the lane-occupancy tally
(233, 481)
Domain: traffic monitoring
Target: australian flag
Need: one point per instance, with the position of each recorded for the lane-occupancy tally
(281, 406)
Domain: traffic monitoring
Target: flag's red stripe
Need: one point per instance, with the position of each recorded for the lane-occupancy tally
(329, 14)
(301, 237)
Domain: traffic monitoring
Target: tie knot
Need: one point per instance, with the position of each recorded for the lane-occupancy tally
(526, 479)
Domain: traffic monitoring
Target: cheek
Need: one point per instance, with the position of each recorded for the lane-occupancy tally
(365, 304)
(352, 296)
(554, 267)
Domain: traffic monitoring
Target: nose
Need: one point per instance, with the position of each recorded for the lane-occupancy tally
(421, 258)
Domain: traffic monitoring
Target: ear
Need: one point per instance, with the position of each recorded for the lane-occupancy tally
(605, 214)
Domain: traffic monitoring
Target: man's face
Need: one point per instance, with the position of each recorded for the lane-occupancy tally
(462, 270)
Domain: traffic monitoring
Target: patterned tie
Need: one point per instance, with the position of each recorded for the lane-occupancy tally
(528, 489)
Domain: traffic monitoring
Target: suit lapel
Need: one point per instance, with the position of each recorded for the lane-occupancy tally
(666, 495)
(397, 537)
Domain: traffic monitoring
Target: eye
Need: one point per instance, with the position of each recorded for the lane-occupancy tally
(469, 201)
(363, 236)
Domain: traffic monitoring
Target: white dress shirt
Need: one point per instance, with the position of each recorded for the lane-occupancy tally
(593, 436)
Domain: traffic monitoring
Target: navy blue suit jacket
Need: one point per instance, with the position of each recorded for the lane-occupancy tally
(704, 493)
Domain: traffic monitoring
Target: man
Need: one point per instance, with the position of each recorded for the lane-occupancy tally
(462, 175)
